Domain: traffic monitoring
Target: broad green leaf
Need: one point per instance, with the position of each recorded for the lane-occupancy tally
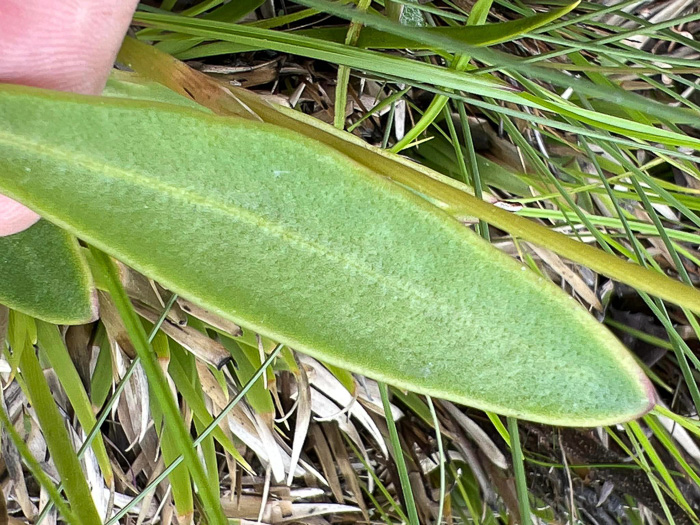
(446, 193)
(43, 274)
(340, 263)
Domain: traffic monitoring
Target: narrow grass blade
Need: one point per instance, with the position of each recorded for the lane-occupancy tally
(442, 460)
(36, 469)
(51, 342)
(157, 381)
(57, 439)
(398, 457)
(473, 35)
(210, 428)
(521, 487)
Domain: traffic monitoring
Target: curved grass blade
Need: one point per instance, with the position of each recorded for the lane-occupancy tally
(50, 341)
(36, 469)
(43, 274)
(158, 383)
(503, 61)
(340, 263)
(399, 460)
(210, 428)
(53, 427)
(473, 35)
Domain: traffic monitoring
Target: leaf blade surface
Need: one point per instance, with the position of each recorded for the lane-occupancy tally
(43, 274)
(299, 243)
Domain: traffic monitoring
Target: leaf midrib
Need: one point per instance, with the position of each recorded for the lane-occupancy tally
(274, 229)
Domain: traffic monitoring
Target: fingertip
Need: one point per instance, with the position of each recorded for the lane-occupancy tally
(14, 217)
(69, 45)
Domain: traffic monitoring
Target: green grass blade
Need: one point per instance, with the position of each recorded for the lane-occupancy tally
(210, 428)
(157, 381)
(506, 62)
(660, 467)
(441, 455)
(521, 487)
(58, 441)
(179, 478)
(341, 88)
(107, 410)
(36, 469)
(398, 457)
(191, 392)
(51, 342)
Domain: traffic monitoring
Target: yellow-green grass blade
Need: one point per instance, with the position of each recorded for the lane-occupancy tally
(399, 460)
(101, 379)
(21, 334)
(179, 478)
(521, 487)
(57, 440)
(273, 355)
(667, 441)
(191, 392)
(211, 504)
(660, 466)
(247, 361)
(473, 35)
(36, 469)
(51, 342)
(477, 17)
(117, 391)
(43, 274)
(508, 63)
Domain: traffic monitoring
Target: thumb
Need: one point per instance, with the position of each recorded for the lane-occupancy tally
(69, 46)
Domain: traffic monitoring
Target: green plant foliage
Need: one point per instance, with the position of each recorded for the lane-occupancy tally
(58, 441)
(43, 274)
(482, 35)
(291, 239)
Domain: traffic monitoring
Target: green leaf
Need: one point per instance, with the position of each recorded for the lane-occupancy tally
(50, 340)
(43, 274)
(179, 478)
(58, 441)
(340, 263)
(247, 363)
(474, 35)
(192, 392)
